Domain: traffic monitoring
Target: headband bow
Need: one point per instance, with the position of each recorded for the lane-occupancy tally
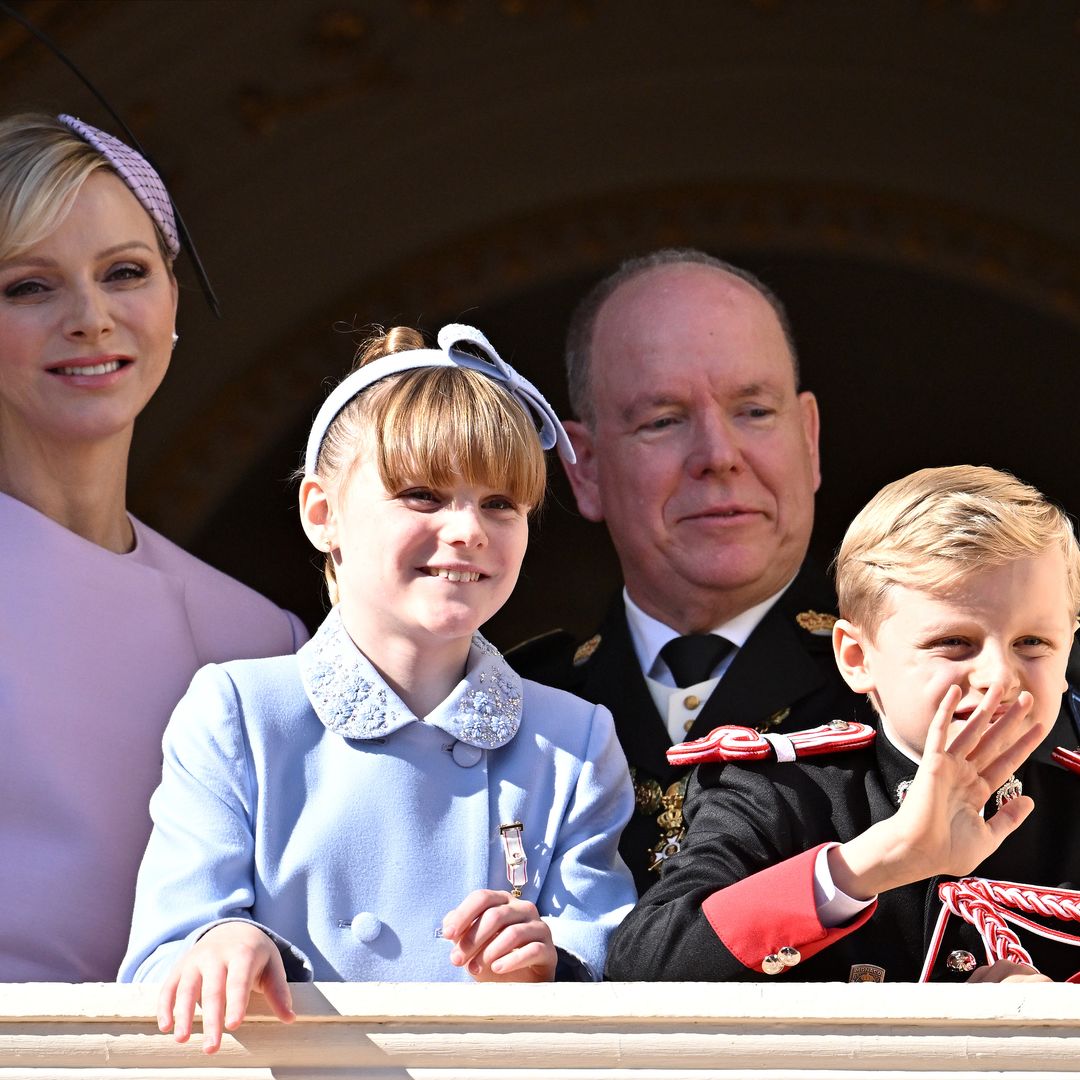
(140, 176)
(448, 354)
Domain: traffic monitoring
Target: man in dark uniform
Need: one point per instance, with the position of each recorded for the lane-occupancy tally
(697, 449)
(832, 855)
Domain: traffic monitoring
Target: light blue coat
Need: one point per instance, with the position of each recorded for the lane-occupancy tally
(299, 792)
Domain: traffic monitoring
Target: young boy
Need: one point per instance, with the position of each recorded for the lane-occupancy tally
(959, 590)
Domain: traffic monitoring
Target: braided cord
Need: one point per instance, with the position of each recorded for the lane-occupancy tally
(1000, 942)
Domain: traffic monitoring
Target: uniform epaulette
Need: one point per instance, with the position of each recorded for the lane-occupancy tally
(733, 743)
(1069, 759)
(545, 652)
(542, 644)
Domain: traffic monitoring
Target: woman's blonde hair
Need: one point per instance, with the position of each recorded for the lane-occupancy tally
(929, 530)
(43, 166)
(433, 426)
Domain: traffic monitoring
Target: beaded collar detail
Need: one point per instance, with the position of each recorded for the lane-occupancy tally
(352, 700)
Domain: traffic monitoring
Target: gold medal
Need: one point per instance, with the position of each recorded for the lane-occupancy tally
(670, 844)
(647, 794)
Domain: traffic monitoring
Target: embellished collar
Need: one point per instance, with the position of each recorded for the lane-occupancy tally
(898, 767)
(352, 700)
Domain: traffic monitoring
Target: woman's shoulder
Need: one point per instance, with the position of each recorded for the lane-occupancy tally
(229, 619)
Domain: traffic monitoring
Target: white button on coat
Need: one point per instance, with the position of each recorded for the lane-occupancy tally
(366, 926)
(466, 755)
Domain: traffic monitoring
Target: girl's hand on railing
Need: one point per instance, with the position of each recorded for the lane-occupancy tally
(220, 971)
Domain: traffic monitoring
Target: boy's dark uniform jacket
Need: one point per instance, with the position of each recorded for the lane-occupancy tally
(784, 678)
(713, 916)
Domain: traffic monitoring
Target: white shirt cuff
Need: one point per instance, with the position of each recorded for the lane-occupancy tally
(834, 908)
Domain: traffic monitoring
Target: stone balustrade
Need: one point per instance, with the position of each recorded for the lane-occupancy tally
(773, 1030)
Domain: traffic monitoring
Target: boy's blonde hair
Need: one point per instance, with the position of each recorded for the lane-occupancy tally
(936, 526)
(433, 426)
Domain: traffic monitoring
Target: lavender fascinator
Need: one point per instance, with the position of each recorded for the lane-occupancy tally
(139, 175)
(449, 354)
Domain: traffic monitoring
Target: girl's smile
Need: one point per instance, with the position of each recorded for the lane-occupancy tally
(454, 573)
(424, 567)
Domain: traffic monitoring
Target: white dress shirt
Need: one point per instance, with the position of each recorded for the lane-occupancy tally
(680, 706)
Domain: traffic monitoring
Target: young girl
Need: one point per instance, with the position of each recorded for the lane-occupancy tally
(392, 802)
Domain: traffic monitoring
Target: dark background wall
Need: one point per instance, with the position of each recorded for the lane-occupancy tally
(903, 173)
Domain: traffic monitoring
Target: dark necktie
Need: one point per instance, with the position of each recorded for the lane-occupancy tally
(693, 657)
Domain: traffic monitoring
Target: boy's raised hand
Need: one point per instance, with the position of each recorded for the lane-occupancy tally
(960, 771)
(500, 938)
(939, 828)
(221, 969)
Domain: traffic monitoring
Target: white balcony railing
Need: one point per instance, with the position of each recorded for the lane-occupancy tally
(650, 1031)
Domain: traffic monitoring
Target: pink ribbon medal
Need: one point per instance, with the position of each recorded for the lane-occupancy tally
(516, 863)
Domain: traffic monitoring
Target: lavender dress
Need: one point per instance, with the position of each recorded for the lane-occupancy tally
(95, 650)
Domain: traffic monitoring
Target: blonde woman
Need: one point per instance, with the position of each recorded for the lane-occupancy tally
(102, 620)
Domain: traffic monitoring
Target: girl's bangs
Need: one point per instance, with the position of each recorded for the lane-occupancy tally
(439, 425)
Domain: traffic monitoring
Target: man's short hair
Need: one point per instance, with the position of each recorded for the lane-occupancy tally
(580, 332)
(933, 528)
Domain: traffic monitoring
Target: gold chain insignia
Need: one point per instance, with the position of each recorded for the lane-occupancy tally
(647, 794)
(670, 820)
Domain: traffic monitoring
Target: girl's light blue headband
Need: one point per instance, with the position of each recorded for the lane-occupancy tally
(448, 354)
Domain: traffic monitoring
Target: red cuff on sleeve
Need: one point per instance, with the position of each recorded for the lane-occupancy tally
(772, 909)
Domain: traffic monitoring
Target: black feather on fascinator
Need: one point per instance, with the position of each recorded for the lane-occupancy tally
(131, 163)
